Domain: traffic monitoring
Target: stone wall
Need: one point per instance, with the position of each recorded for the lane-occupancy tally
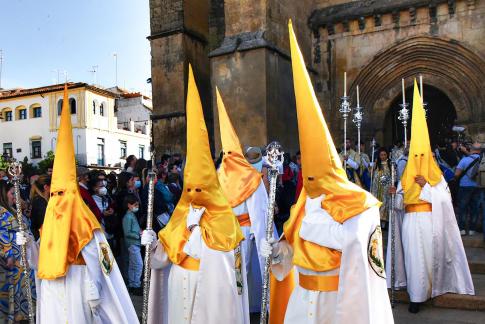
(377, 46)
(241, 46)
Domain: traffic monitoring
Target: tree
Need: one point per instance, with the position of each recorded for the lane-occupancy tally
(46, 163)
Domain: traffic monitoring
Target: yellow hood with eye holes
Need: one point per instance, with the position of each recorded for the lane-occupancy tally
(219, 226)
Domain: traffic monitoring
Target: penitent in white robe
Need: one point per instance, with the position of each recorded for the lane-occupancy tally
(64, 300)
(208, 295)
(434, 256)
(362, 296)
(253, 263)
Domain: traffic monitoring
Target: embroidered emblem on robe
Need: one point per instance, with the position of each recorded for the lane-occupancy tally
(105, 258)
(375, 253)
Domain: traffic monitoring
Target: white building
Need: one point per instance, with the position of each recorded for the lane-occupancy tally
(132, 109)
(30, 118)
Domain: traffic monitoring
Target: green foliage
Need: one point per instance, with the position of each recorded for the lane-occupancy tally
(46, 163)
(28, 168)
(3, 163)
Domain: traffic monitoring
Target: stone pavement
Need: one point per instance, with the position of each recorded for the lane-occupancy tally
(446, 309)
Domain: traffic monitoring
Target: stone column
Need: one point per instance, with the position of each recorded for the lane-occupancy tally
(179, 36)
(252, 69)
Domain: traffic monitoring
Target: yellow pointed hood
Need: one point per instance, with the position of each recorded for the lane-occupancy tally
(69, 223)
(420, 159)
(321, 166)
(237, 177)
(219, 226)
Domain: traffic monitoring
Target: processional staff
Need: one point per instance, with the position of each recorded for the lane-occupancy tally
(345, 110)
(146, 273)
(404, 115)
(358, 116)
(275, 160)
(373, 145)
(15, 170)
(392, 219)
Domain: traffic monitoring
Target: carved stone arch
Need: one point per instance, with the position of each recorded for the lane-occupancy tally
(447, 65)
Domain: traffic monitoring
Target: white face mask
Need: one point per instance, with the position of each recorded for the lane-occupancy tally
(135, 209)
(102, 191)
(105, 183)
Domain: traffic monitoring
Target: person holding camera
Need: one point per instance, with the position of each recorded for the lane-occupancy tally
(468, 193)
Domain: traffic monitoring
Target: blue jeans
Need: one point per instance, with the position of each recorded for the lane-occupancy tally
(135, 266)
(482, 205)
(468, 202)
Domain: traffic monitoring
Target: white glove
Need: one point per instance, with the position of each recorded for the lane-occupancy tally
(314, 204)
(194, 215)
(22, 238)
(148, 238)
(269, 248)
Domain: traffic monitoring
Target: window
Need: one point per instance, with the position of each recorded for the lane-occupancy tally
(72, 105)
(7, 149)
(100, 151)
(101, 109)
(59, 107)
(141, 152)
(94, 107)
(22, 114)
(122, 149)
(36, 150)
(8, 116)
(37, 112)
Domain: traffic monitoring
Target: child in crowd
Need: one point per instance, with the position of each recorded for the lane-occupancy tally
(131, 233)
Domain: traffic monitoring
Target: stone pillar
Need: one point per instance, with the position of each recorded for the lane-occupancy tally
(179, 36)
(252, 69)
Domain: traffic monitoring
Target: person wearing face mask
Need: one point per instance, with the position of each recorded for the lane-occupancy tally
(332, 237)
(195, 270)
(102, 199)
(83, 178)
(131, 235)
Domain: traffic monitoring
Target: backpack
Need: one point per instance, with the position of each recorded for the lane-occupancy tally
(474, 169)
(481, 174)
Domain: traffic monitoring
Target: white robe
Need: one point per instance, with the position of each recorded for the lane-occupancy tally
(253, 263)
(362, 296)
(208, 295)
(64, 300)
(434, 256)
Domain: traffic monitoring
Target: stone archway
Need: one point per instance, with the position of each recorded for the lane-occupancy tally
(446, 65)
(441, 116)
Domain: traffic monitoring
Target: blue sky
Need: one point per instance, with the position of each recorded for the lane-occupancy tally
(40, 36)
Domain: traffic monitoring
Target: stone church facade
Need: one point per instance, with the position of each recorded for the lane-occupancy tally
(241, 47)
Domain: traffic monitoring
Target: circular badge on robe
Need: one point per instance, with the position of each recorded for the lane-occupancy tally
(375, 252)
(105, 258)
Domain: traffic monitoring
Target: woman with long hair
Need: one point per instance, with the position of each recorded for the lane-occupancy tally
(381, 183)
(13, 302)
(39, 197)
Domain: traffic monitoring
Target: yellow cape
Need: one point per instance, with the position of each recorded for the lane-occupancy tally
(239, 180)
(69, 223)
(420, 159)
(219, 226)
